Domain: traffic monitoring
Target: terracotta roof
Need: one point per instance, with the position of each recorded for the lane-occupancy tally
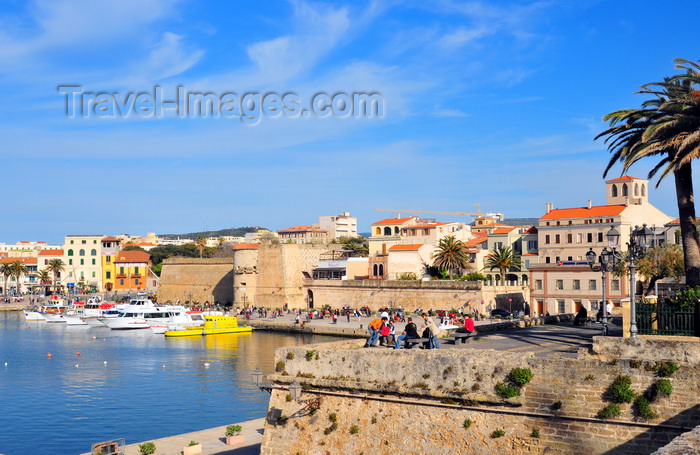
(23, 241)
(394, 220)
(532, 230)
(110, 239)
(132, 256)
(624, 177)
(302, 228)
(51, 253)
(502, 230)
(246, 246)
(146, 244)
(7, 260)
(413, 247)
(584, 212)
(431, 225)
(677, 222)
(475, 241)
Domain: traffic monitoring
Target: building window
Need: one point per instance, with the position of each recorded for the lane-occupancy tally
(615, 285)
(591, 285)
(546, 260)
(93, 262)
(108, 259)
(136, 270)
(70, 252)
(577, 285)
(121, 270)
(561, 306)
(136, 281)
(546, 239)
(600, 237)
(538, 285)
(81, 253)
(84, 242)
(82, 262)
(93, 274)
(93, 252)
(589, 237)
(70, 261)
(532, 244)
(569, 238)
(121, 282)
(557, 239)
(387, 230)
(108, 274)
(559, 285)
(498, 245)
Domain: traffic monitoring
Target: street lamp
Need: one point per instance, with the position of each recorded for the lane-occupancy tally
(607, 260)
(640, 239)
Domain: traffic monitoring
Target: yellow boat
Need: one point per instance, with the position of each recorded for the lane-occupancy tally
(213, 325)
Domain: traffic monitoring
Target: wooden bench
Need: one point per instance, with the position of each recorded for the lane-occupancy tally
(410, 342)
(460, 337)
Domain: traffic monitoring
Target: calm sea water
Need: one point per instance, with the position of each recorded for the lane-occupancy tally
(134, 385)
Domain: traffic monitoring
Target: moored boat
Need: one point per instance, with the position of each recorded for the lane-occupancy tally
(213, 325)
(142, 314)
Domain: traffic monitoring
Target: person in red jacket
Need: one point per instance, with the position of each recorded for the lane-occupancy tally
(468, 325)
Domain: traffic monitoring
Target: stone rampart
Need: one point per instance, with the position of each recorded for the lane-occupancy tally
(445, 401)
(197, 280)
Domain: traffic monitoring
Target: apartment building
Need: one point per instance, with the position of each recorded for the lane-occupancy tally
(303, 234)
(562, 281)
(83, 262)
(338, 226)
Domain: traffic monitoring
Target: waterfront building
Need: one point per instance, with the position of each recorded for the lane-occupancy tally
(132, 270)
(303, 234)
(337, 226)
(83, 262)
(44, 259)
(26, 282)
(562, 281)
(110, 247)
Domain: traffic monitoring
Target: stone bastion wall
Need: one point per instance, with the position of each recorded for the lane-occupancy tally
(382, 401)
(197, 279)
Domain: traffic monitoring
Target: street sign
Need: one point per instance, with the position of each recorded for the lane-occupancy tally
(70, 285)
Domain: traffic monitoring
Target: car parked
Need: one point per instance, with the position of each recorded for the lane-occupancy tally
(499, 312)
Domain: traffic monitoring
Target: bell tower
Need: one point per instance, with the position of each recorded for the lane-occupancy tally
(627, 190)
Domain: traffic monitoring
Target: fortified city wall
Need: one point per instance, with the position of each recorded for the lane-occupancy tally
(207, 280)
(421, 401)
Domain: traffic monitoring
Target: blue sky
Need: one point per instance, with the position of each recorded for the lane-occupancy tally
(495, 103)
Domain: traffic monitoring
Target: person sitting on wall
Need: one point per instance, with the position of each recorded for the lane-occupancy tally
(373, 328)
(581, 317)
(468, 325)
(430, 331)
(409, 332)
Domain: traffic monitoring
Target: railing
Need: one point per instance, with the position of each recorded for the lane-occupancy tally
(665, 319)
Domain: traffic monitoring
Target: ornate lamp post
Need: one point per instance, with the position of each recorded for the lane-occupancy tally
(640, 239)
(607, 260)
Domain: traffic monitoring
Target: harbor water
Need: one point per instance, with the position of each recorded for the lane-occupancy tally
(63, 388)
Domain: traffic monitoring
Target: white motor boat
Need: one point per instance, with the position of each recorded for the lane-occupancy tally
(94, 310)
(142, 313)
(181, 321)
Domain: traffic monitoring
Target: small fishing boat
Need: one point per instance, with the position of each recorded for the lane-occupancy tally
(213, 325)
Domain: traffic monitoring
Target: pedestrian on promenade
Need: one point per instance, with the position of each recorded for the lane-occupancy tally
(430, 332)
(347, 313)
(373, 328)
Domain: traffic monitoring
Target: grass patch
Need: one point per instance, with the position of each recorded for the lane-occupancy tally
(521, 376)
(666, 369)
(621, 390)
(497, 434)
(467, 423)
(507, 391)
(611, 410)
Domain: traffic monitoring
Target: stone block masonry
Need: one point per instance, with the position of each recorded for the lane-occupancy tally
(444, 401)
(198, 280)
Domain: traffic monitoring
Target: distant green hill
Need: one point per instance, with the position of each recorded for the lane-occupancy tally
(235, 232)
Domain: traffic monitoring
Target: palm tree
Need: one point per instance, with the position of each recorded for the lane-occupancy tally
(667, 126)
(55, 266)
(200, 243)
(450, 255)
(19, 269)
(6, 272)
(503, 258)
(44, 279)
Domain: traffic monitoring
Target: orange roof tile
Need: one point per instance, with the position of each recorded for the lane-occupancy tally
(51, 253)
(132, 256)
(502, 230)
(110, 239)
(624, 177)
(246, 246)
(23, 241)
(393, 221)
(146, 244)
(10, 260)
(420, 226)
(413, 247)
(584, 212)
(302, 227)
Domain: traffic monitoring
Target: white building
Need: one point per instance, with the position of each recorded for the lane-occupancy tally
(342, 225)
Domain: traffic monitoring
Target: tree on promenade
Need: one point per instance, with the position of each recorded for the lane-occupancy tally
(19, 269)
(55, 266)
(6, 272)
(450, 255)
(503, 258)
(666, 127)
(44, 279)
(200, 243)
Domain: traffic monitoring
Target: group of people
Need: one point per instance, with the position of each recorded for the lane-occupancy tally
(382, 332)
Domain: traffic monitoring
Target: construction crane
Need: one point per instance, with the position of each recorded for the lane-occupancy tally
(475, 215)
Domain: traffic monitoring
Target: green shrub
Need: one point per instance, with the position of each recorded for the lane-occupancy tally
(643, 409)
(290, 356)
(621, 391)
(557, 405)
(535, 433)
(507, 391)
(354, 429)
(193, 443)
(280, 366)
(310, 355)
(521, 376)
(331, 429)
(467, 423)
(663, 387)
(288, 398)
(497, 434)
(233, 430)
(333, 417)
(147, 448)
(666, 369)
(611, 410)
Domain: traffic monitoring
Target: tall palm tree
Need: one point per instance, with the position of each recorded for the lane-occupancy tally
(55, 266)
(667, 126)
(44, 279)
(6, 272)
(503, 258)
(200, 243)
(450, 255)
(19, 269)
